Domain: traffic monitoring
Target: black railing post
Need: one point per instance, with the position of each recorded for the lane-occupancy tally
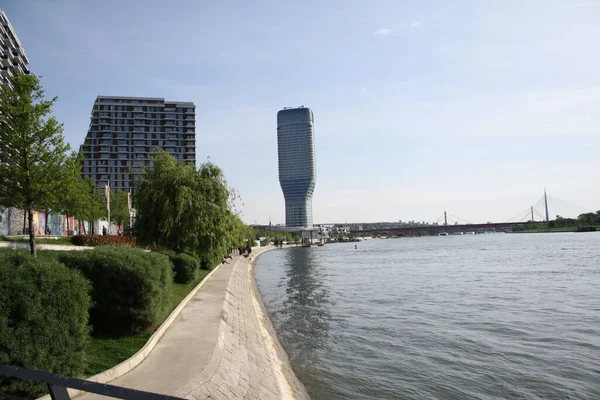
(58, 392)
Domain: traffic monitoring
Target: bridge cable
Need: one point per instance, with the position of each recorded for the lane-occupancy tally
(464, 220)
(511, 219)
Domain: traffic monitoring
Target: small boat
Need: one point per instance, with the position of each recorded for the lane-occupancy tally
(443, 234)
(320, 244)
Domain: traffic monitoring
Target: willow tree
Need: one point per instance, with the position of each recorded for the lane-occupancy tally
(33, 153)
(184, 209)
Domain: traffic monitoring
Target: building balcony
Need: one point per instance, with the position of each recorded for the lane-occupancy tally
(7, 71)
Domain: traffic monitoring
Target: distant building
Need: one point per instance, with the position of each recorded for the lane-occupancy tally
(297, 165)
(12, 54)
(13, 60)
(124, 131)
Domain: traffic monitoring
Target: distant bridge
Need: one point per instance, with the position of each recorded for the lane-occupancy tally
(458, 224)
(432, 229)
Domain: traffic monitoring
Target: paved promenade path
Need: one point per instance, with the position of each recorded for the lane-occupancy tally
(221, 346)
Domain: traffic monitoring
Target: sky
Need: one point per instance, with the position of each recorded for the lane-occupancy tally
(473, 107)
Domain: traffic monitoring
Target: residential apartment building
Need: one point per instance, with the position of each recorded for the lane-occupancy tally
(297, 164)
(13, 59)
(124, 131)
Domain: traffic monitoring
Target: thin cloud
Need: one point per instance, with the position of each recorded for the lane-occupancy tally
(415, 24)
(383, 32)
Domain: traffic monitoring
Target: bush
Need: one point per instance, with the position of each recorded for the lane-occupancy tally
(185, 267)
(169, 253)
(102, 240)
(207, 262)
(43, 318)
(131, 289)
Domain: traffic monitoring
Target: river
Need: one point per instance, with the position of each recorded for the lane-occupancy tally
(489, 316)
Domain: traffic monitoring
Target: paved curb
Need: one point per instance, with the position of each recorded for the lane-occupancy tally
(289, 384)
(248, 361)
(136, 359)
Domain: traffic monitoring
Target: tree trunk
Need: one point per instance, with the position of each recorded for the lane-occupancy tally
(67, 216)
(24, 222)
(31, 232)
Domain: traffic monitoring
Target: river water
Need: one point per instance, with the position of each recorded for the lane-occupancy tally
(490, 316)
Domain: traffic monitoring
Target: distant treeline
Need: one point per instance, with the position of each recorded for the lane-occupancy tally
(586, 219)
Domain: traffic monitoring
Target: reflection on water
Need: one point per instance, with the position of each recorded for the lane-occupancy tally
(305, 312)
(464, 317)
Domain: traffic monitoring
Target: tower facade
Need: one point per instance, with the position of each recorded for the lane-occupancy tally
(12, 55)
(124, 131)
(297, 165)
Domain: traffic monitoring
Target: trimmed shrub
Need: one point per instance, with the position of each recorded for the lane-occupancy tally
(169, 253)
(185, 267)
(103, 240)
(43, 318)
(195, 256)
(208, 261)
(131, 289)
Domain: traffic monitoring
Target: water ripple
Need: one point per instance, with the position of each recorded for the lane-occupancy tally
(468, 317)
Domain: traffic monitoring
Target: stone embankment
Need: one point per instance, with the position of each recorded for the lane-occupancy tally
(220, 346)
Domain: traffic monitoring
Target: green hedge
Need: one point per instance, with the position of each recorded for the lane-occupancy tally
(43, 318)
(185, 267)
(207, 262)
(131, 289)
(169, 253)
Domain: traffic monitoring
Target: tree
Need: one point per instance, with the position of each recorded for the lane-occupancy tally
(589, 219)
(184, 209)
(75, 201)
(97, 202)
(34, 157)
(119, 212)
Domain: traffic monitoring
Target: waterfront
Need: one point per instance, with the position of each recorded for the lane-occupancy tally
(475, 316)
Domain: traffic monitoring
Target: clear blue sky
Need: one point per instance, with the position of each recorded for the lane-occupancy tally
(420, 107)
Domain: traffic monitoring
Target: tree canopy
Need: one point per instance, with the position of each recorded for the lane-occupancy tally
(34, 157)
(186, 209)
(119, 212)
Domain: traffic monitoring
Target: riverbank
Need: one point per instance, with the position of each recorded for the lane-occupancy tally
(279, 356)
(221, 346)
(248, 362)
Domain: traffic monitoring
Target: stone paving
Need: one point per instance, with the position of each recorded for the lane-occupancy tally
(221, 346)
(248, 362)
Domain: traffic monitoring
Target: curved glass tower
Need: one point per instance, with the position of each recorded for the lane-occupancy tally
(297, 167)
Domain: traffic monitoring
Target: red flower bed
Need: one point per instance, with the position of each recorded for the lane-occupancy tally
(102, 240)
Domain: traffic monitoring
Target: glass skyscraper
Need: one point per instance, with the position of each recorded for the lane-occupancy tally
(297, 166)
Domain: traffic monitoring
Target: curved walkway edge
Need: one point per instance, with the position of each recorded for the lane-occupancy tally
(217, 344)
(248, 361)
(136, 359)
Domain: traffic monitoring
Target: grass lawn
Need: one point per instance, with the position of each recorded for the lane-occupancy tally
(102, 354)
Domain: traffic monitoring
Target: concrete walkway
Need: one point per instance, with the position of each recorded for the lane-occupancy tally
(221, 346)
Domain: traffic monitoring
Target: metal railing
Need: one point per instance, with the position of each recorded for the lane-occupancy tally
(57, 385)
